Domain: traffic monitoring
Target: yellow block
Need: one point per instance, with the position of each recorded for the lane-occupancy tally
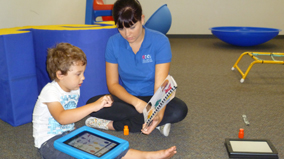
(97, 25)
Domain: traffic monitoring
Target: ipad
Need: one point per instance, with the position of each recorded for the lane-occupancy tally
(251, 148)
(87, 142)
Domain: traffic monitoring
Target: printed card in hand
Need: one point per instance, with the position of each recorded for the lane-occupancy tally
(164, 94)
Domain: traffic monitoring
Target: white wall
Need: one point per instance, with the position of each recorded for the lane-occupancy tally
(15, 13)
(189, 16)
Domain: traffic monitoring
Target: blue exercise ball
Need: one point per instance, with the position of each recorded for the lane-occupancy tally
(161, 20)
(244, 36)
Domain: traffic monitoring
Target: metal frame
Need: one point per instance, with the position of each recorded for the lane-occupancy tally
(257, 60)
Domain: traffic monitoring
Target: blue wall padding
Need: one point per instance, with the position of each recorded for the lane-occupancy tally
(92, 42)
(18, 86)
(23, 65)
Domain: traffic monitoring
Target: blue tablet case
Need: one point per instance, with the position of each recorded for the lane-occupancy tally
(87, 142)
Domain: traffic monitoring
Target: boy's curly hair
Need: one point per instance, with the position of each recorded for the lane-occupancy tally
(62, 57)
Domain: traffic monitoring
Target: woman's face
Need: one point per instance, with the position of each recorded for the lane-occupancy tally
(133, 33)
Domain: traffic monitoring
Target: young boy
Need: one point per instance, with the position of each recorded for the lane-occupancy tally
(56, 108)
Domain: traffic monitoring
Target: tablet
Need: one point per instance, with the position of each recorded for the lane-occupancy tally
(251, 148)
(87, 142)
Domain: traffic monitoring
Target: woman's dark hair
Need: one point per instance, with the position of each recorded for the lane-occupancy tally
(126, 13)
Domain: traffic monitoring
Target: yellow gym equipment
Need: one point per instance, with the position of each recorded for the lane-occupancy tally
(257, 60)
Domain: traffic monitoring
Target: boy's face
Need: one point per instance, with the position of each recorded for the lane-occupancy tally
(73, 79)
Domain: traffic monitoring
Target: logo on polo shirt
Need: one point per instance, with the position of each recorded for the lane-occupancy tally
(146, 58)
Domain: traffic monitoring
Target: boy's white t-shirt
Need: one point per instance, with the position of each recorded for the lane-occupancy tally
(44, 125)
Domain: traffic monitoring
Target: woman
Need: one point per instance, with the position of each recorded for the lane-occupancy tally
(137, 62)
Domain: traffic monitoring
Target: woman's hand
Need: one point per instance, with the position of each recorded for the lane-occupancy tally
(156, 121)
(140, 105)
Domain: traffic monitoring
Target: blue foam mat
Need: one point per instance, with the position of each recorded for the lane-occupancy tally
(23, 67)
(18, 78)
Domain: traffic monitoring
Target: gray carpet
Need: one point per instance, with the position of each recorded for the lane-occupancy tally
(216, 100)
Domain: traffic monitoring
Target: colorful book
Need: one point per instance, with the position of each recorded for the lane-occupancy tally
(164, 94)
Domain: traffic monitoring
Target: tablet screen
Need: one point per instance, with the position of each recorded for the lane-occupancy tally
(250, 146)
(92, 143)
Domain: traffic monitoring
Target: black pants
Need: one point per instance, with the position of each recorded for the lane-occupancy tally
(122, 113)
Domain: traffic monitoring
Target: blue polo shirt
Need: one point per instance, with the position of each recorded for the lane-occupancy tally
(137, 71)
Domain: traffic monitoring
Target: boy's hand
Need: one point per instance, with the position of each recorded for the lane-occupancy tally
(105, 101)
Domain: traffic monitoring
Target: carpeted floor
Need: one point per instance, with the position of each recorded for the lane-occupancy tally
(215, 97)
